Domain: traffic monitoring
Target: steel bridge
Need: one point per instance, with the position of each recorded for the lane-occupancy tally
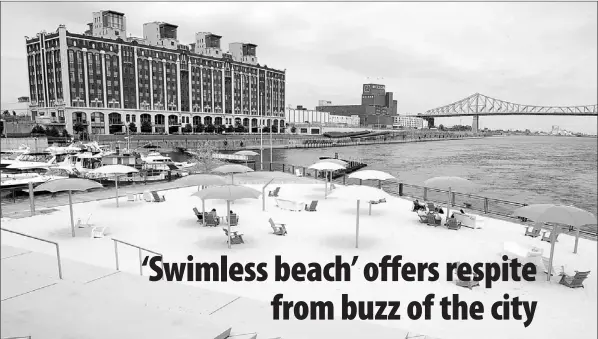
(479, 104)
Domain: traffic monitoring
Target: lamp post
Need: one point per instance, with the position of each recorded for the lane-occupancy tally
(261, 137)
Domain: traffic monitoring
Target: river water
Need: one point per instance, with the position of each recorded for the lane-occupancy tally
(560, 170)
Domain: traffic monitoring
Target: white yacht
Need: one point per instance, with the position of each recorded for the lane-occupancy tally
(157, 161)
(8, 157)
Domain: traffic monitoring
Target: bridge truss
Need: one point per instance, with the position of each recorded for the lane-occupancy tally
(479, 104)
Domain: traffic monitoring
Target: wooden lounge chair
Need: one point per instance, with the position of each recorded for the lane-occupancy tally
(575, 281)
(156, 197)
(534, 233)
(81, 224)
(147, 196)
(234, 219)
(375, 202)
(210, 221)
(423, 218)
(278, 228)
(198, 214)
(98, 231)
(312, 206)
(469, 284)
(453, 224)
(546, 236)
(235, 237)
(274, 193)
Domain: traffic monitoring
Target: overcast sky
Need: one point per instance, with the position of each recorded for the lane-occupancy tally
(428, 54)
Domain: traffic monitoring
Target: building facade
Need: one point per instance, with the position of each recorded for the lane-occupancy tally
(102, 81)
(409, 122)
(377, 108)
(304, 116)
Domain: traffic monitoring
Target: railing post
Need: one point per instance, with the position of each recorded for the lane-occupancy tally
(344, 179)
(425, 194)
(452, 199)
(400, 189)
(270, 166)
(31, 199)
(283, 168)
(116, 254)
(486, 205)
(304, 171)
(140, 263)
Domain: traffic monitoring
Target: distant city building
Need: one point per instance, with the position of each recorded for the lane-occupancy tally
(409, 122)
(378, 107)
(102, 81)
(302, 115)
(324, 103)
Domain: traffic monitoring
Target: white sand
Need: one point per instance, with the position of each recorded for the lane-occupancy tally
(171, 228)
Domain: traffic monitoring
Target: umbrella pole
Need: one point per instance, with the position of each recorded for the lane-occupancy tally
(448, 205)
(325, 185)
(370, 212)
(72, 221)
(228, 213)
(203, 212)
(576, 240)
(357, 227)
(116, 190)
(553, 235)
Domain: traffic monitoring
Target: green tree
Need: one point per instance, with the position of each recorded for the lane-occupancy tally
(240, 128)
(187, 128)
(146, 126)
(230, 129)
(132, 127)
(79, 127)
(274, 129)
(209, 128)
(441, 127)
(293, 129)
(203, 158)
(218, 129)
(198, 128)
(65, 134)
(37, 129)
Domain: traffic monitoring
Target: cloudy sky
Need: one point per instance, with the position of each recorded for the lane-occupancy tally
(428, 54)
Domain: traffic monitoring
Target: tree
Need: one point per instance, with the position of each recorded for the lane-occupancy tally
(5, 112)
(266, 129)
(65, 134)
(146, 126)
(79, 127)
(132, 127)
(209, 128)
(240, 128)
(187, 129)
(230, 129)
(274, 129)
(52, 132)
(219, 129)
(204, 161)
(37, 129)
(441, 127)
(293, 129)
(198, 128)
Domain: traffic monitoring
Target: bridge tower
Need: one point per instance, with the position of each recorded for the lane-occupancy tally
(430, 122)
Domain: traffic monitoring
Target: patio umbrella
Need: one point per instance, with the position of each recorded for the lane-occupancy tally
(358, 192)
(228, 193)
(371, 175)
(247, 154)
(116, 170)
(557, 214)
(69, 185)
(327, 165)
(232, 169)
(203, 180)
(461, 185)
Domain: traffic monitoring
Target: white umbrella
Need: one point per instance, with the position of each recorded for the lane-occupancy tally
(247, 154)
(116, 170)
(228, 193)
(232, 169)
(203, 180)
(557, 214)
(326, 165)
(371, 175)
(74, 184)
(461, 185)
(358, 192)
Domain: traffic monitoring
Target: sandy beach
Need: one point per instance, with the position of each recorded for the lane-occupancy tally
(172, 229)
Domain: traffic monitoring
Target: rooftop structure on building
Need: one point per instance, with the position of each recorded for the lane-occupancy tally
(105, 80)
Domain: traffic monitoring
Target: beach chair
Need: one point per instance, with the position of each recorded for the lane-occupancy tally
(431, 206)
(431, 219)
(156, 197)
(469, 284)
(278, 228)
(423, 218)
(131, 197)
(98, 232)
(453, 224)
(546, 236)
(81, 224)
(147, 196)
(234, 219)
(198, 214)
(210, 221)
(534, 233)
(575, 281)
(274, 193)
(236, 238)
(375, 202)
(312, 206)
(332, 186)
(298, 172)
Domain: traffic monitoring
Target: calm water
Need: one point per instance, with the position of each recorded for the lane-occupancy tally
(523, 169)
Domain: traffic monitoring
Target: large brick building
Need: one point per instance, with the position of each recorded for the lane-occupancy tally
(377, 108)
(103, 80)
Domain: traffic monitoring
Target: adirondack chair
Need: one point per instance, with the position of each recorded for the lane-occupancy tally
(278, 228)
(81, 224)
(546, 236)
(156, 197)
(198, 214)
(423, 218)
(98, 231)
(453, 224)
(469, 284)
(210, 221)
(298, 172)
(274, 193)
(235, 237)
(375, 202)
(535, 231)
(431, 218)
(234, 219)
(431, 206)
(312, 206)
(131, 197)
(575, 281)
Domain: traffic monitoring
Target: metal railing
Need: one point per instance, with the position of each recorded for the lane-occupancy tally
(140, 249)
(44, 240)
